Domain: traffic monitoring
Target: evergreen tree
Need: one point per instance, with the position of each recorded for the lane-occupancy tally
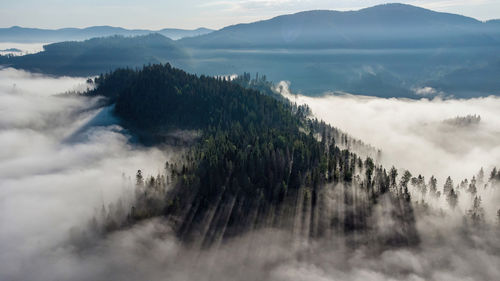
(452, 198)
(476, 214)
(493, 174)
(433, 187)
(448, 186)
(139, 181)
(480, 177)
(472, 186)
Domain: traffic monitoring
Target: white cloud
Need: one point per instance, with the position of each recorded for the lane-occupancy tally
(412, 134)
(426, 91)
(48, 185)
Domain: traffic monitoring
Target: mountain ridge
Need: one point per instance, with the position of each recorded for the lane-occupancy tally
(29, 34)
(386, 51)
(391, 7)
(389, 23)
(99, 55)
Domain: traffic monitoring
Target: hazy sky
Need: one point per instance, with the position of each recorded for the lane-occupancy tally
(156, 14)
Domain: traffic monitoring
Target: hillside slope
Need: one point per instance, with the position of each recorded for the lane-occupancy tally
(390, 25)
(99, 55)
(258, 163)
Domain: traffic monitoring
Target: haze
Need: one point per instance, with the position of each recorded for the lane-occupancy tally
(413, 134)
(156, 14)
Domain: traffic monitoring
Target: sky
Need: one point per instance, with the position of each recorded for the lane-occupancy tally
(157, 14)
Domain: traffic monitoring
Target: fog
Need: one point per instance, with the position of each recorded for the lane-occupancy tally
(437, 136)
(414, 134)
(47, 183)
(63, 158)
(20, 49)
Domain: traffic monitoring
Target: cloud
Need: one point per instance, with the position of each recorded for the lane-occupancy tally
(252, 5)
(450, 3)
(426, 91)
(24, 48)
(50, 187)
(343, 5)
(412, 134)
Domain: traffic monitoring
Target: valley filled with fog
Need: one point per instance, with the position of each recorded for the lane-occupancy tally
(65, 159)
(417, 135)
(20, 49)
(248, 140)
(54, 172)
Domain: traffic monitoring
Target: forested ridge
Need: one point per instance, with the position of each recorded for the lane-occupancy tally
(98, 55)
(258, 162)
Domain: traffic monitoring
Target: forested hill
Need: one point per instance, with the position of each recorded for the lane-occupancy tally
(98, 55)
(160, 98)
(258, 162)
(36, 35)
(382, 26)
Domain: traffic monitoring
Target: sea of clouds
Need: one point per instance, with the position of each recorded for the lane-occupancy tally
(51, 179)
(57, 170)
(413, 134)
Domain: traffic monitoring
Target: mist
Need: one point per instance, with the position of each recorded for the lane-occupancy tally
(20, 49)
(65, 158)
(53, 174)
(414, 134)
(438, 137)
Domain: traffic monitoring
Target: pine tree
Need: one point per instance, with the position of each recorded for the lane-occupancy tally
(493, 174)
(480, 177)
(433, 186)
(139, 180)
(476, 214)
(448, 186)
(472, 186)
(452, 198)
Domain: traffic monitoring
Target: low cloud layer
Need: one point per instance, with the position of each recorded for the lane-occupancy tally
(58, 172)
(415, 134)
(47, 183)
(19, 49)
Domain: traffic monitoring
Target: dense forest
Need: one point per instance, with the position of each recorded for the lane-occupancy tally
(259, 162)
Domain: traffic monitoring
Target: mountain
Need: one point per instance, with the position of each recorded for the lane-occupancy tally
(390, 25)
(387, 51)
(257, 162)
(35, 35)
(98, 55)
(467, 82)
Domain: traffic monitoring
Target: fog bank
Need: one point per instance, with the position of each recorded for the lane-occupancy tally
(49, 184)
(414, 134)
(64, 158)
(20, 49)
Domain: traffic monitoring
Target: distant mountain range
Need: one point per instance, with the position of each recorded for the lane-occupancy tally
(36, 35)
(383, 26)
(389, 50)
